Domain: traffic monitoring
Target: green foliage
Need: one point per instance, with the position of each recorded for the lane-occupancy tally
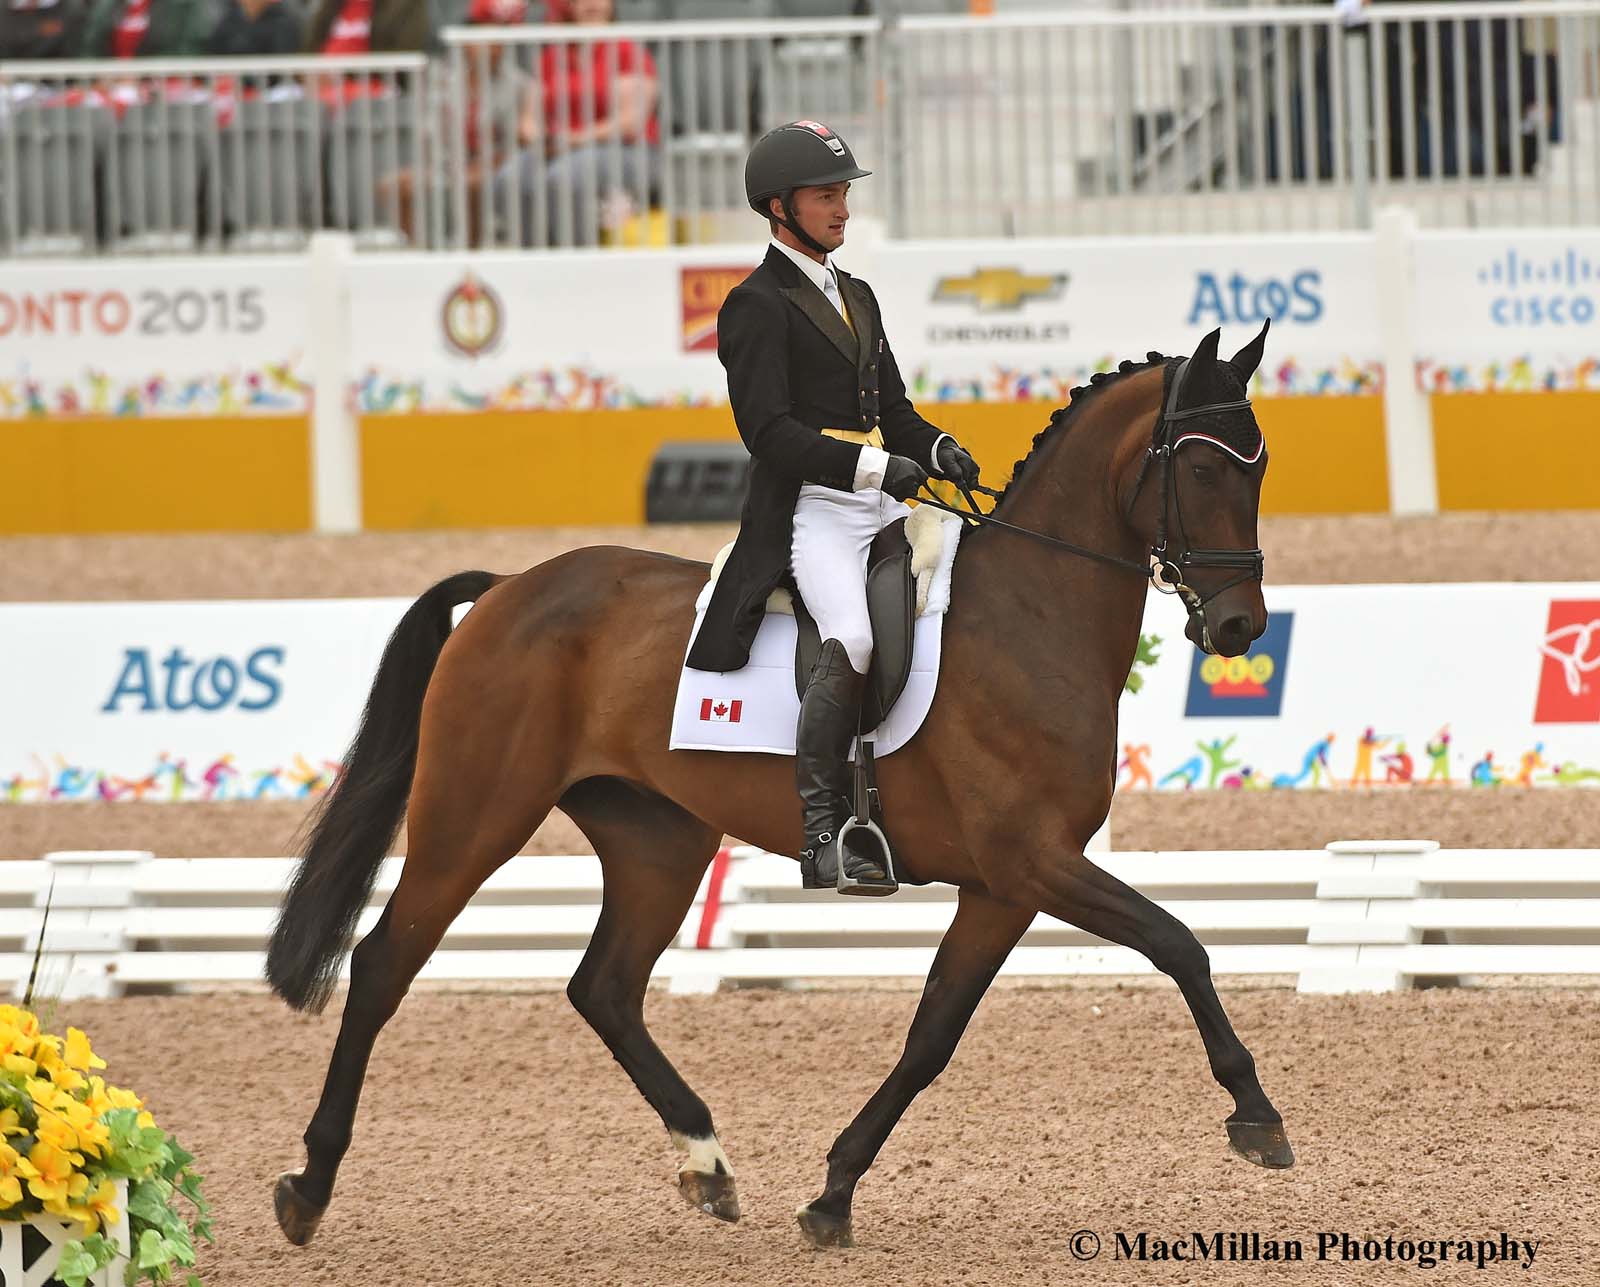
(159, 1201)
(84, 1258)
(1144, 655)
(162, 1193)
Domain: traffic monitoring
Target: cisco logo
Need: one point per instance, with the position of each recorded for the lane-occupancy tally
(1542, 290)
(1234, 299)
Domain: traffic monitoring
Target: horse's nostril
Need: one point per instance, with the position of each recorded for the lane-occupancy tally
(1235, 630)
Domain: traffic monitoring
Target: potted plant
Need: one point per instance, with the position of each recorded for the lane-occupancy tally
(92, 1190)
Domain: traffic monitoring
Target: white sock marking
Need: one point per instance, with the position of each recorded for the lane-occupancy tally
(703, 1154)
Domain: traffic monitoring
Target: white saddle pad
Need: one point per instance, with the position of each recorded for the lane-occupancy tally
(756, 708)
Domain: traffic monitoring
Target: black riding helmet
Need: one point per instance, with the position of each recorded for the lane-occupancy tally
(801, 154)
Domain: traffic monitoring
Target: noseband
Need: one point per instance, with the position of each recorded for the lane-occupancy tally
(1165, 571)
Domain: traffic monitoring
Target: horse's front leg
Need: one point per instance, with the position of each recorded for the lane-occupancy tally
(973, 949)
(1073, 889)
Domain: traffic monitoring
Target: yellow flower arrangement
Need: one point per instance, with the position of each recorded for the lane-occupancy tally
(67, 1138)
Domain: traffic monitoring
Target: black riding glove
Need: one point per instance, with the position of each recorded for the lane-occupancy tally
(902, 476)
(956, 464)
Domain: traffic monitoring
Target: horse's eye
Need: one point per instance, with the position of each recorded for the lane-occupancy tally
(1204, 474)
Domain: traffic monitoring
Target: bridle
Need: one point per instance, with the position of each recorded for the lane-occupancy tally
(1168, 573)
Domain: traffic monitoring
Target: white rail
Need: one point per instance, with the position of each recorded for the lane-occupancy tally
(1357, 916)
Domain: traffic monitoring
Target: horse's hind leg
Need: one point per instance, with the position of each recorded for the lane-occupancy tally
(653, 854)
(1073, 889)
(435, 884)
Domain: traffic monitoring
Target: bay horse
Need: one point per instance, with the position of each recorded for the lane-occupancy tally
(556, 691)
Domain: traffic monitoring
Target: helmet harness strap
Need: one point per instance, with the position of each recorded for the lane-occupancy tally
(786, 197)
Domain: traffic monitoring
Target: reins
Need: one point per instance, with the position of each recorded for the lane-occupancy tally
(976, 517)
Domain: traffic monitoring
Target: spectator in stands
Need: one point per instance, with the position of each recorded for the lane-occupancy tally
(40, 28)
(256, 27)
(370, 27)
(513, 119)
(148, 28)
(600, 141)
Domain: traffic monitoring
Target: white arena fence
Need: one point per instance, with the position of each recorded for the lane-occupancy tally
(1358, 916)
(1132, 118)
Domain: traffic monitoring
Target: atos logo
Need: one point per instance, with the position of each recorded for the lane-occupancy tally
(1569, 688)
(1545, 290)
(179, 682)
(1219, 301)
(1248, 685)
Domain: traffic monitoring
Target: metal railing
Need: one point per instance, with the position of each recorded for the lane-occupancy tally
(1235, 119)
(667, 165)
(197, 153)
(1139, 120)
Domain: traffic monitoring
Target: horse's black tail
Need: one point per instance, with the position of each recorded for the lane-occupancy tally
(355, 823)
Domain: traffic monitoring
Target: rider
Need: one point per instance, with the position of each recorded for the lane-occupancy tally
(837, 447)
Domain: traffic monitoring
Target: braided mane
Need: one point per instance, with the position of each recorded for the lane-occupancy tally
(1061, 417)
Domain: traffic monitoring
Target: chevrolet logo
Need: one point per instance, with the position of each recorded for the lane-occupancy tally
(997, 289)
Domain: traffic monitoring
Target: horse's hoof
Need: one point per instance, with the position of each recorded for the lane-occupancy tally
(296, 1217)
(824, 1230)
(1263, 1143)
(713, 1194)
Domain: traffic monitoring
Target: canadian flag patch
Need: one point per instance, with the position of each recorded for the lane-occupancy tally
(715, 710)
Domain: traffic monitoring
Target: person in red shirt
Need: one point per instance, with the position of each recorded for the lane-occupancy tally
(600, 140)
(147, 28)
(370, 27)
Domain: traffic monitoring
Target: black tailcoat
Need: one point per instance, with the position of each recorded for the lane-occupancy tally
(795, 368)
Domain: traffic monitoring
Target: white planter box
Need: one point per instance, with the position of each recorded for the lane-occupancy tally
(17, 1271)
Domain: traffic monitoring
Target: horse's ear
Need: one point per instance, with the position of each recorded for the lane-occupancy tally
(1207, 352)
(1247, 359)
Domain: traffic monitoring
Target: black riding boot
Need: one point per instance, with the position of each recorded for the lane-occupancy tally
(828, 715)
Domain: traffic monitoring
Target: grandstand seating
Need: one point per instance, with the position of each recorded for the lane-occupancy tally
(1063, 124)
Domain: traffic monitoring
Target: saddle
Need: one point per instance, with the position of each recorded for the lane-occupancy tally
(892, 609)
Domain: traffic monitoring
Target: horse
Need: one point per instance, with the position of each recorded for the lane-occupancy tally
(556, 691)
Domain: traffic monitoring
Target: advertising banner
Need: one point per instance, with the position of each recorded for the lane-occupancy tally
(1011, 320)
(183, 701)
(970, 321)
(1362, 685)
(561, 331)
(1514, 311)
(1395, 687)
(200, 337)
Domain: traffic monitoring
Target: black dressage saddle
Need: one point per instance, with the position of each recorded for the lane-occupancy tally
(892, 609)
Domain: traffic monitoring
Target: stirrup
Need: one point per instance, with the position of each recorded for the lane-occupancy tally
(845, 883)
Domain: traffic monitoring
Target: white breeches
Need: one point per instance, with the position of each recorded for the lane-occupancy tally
(833, 533)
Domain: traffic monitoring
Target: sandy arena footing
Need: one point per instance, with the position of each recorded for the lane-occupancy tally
(498, 1142)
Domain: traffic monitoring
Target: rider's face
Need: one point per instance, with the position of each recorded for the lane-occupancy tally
(823, 212)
